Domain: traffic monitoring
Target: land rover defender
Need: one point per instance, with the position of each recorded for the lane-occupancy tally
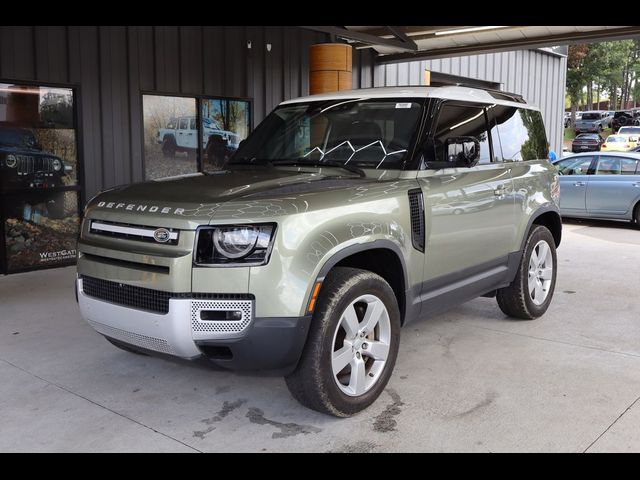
(342, 218)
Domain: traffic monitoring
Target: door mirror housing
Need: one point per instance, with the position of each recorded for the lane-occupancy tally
(462, 151)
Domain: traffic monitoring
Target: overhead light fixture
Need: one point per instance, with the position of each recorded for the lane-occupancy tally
(467, 30)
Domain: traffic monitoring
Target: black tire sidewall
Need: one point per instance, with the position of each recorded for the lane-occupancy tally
(374, 285)
(537, 234)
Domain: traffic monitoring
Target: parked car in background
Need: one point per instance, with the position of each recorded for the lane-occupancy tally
(619, 143)
(607, 118)
(631, 131)
(181, 135)
(587, 142)
(600, 185)
(590, 122)
(567, 119)
(623, 118)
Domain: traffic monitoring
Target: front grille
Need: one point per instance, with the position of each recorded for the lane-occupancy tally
(147, 299)
(132, 232)
(127, 295)
(416, 209)
(29, 164)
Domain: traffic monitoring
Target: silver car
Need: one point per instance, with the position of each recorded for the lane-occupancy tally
(600, 185)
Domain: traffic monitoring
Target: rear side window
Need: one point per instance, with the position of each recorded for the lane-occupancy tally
(629, 166)
(608, 166)
(461, 121)
(522, 133)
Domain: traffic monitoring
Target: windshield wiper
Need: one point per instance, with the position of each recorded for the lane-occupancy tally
(327, 163)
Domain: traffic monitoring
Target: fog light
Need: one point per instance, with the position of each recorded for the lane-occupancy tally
(221, 315)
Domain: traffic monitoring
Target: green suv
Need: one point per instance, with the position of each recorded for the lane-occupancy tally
(342, 218)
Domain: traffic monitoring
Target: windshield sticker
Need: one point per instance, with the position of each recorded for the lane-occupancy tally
(403, 105)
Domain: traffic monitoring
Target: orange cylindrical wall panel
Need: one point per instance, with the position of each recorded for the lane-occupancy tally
(330, 67)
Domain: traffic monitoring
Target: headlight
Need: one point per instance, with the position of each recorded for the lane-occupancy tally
(234, 245)
(11, 161)
(56, 164)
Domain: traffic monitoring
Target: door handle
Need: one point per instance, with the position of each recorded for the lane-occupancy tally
(579, 184)
(635, 184)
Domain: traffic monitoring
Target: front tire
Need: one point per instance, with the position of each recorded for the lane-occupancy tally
(530, 294)
(352, 344)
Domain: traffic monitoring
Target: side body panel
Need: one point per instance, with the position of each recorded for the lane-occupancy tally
(612, 195)
(470, 218)
(532, 182)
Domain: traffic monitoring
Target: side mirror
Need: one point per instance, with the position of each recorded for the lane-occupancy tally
(462, 151)
(552, 155)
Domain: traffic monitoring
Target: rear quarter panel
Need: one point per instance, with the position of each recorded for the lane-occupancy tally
(532, 182)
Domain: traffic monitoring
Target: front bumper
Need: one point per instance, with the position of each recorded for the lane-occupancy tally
(271, 345)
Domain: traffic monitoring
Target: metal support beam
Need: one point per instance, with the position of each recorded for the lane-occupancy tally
(517, 44)
(366, 38)
(403, 37)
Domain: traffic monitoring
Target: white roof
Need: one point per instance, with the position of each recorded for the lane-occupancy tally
(449, 92)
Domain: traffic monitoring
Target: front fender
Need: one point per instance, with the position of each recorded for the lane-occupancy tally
(308, 245)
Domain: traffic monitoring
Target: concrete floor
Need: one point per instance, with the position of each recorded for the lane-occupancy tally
(467, 380)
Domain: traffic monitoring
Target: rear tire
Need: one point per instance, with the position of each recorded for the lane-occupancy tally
(342, 384)
(530, 294)
(169, 147)
(636, 216)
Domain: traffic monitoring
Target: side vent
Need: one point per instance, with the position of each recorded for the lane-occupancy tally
(416, 206)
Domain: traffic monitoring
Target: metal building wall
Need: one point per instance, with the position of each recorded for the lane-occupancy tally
(112, 66)
(538, 76)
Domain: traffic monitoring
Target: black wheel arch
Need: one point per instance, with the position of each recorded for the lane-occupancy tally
(382, 257)
(550, 217)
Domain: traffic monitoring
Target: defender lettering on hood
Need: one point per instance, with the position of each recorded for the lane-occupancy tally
(132, 207)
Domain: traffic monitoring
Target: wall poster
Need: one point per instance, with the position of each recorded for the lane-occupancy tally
(185, 134)
(39, 189)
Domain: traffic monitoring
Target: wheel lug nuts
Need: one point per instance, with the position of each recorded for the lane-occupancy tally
(358, 355)
(364, 346)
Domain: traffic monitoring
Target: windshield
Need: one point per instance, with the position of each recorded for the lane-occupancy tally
(360, 132)
(591, 116)
(587, 136)
(616, 139)
(15, 137)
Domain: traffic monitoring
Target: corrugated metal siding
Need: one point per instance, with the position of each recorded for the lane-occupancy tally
(113, 65)
(539, 77)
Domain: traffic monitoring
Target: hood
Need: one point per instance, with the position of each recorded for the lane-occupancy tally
(191, 200)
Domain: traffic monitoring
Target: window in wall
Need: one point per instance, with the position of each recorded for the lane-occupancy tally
(460, 121)
(225, 123)
(174, 134)
(170, 136)
(522, 134)
(38, 176)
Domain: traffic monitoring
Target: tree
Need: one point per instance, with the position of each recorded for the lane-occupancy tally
(575, 76)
